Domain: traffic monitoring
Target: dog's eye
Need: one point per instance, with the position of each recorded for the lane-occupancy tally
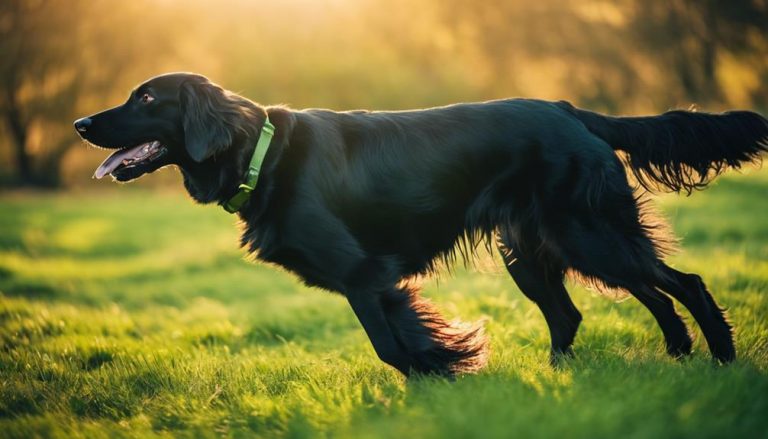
(146, 98)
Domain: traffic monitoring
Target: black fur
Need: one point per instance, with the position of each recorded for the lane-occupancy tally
(363, 202)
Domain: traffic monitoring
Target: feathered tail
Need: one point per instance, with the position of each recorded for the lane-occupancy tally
(680, 150)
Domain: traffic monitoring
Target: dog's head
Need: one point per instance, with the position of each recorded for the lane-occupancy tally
(177, 118)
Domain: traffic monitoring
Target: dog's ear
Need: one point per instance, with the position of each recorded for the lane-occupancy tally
(207, 118)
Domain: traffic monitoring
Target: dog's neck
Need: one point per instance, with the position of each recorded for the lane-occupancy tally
(218, 178)
(211, 180)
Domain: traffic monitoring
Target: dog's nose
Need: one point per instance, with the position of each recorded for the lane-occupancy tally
(81, 125)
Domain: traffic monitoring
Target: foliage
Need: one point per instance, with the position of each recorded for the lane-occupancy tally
(62, 59)
(131, 313)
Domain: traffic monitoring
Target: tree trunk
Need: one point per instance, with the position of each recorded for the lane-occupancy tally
(18, 130)
(709, 51)
(21, 156)
(49, 172)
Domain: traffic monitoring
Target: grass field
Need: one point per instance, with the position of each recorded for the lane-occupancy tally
(132, 313)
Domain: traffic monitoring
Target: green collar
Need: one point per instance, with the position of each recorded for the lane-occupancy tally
(262, 145)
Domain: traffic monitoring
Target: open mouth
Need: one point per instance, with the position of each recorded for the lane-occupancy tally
(130, 157)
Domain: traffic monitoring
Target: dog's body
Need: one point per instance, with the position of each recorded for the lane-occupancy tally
(360, 202)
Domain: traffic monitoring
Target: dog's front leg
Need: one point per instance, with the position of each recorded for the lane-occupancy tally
(368, 309)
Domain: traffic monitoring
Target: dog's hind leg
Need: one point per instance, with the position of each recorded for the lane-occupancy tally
(544, 286)
(676, 336)
(616, 260)
(615, 250)
(690, 290)
(598, 234)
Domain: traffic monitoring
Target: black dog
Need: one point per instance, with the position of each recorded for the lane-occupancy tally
(362, 202)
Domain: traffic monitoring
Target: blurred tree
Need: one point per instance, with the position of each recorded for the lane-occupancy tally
(689, 36)
(61, 59)
(58, 54)
(37, 76)
(615, 52)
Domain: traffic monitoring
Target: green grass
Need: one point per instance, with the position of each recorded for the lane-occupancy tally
(132, 313)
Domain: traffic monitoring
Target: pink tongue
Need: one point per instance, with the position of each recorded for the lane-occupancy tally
(114, 160)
